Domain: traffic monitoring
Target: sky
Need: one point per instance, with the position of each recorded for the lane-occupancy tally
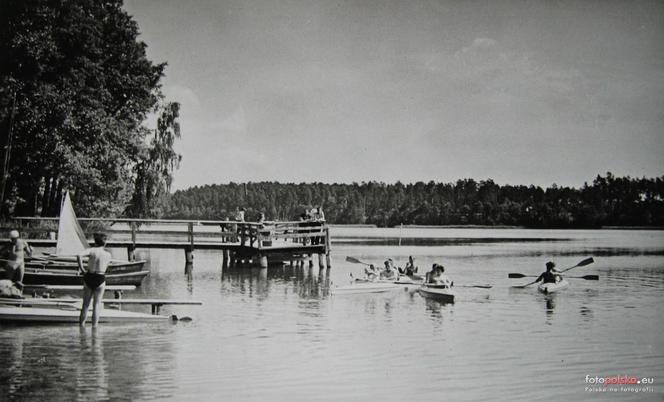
(521, 92)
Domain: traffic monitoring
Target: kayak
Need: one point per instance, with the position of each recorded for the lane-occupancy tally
(67, 310)
(408, 280)
(365, 287)
(548, 288)
(437, 293)
(68, 314)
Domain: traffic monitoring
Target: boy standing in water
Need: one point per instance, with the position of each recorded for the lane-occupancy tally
(94, 278)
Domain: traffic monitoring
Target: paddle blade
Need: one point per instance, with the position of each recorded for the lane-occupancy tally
(515, 275)
(353, 260)
(591, 277)
(585, 262)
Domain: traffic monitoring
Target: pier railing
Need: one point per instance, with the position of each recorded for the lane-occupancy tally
(291, 238)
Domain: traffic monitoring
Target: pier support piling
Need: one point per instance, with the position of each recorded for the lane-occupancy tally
(189, 255)
(131, 252)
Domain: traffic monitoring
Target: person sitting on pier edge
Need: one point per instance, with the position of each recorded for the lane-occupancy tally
(94, 278)
(551, 275)
(437, 276)
(390, 271)
(14, 255)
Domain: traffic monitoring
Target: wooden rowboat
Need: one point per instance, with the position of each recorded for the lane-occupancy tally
(127, 274)
(62, 268)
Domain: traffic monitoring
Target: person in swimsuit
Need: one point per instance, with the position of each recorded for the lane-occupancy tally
(94, 277)
(14, 256)
(551, 275)
(390, 271)
(410, 269)
(437, 277)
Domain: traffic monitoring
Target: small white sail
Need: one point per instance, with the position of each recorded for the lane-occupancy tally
(71, 239)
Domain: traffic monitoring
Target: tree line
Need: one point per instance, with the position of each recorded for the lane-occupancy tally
(607, 201)
(76, 87)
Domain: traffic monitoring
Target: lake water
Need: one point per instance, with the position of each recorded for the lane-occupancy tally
(279, 335)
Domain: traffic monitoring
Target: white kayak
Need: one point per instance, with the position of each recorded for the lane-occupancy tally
(69, 314)
(437, 293)
(365, 287)
(548, 288)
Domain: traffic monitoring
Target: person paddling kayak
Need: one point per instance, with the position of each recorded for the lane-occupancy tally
(410, 268)
(390, 271)
(372, 272)
(437, 276)
(552, 275)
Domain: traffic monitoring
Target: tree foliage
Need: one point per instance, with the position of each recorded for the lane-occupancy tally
(83, 86)
(607, 201)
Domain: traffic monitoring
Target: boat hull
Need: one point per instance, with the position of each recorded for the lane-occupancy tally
(70, 315)
(442, 295)
(65, 272)
(365, 287)
(548, 288)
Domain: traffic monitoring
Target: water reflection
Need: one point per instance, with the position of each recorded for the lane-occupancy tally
(91, 375)
(306, 282)
(550, 304)
(189, 276)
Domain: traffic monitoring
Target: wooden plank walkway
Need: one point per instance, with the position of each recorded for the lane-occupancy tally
(257, 241)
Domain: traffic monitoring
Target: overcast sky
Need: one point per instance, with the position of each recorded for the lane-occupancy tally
(523, 92)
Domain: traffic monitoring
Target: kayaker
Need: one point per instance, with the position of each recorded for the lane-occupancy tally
(390, 271)
(437, 276)
(410, 268)
(94, 277)
(551, 275)
(371, 272)
(14, 256)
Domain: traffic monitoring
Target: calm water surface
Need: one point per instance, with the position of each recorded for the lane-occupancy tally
(278, 334)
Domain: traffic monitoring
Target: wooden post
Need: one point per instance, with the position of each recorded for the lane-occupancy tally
(328, 258)
(188, 255)
(262, 259)
(189, 250)
(131, 252)
(225, 256)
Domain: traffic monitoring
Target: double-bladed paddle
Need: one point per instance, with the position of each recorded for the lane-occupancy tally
(583, 263)
(586, 277)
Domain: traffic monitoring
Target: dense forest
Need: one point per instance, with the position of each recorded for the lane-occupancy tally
(607, 201)
(75, 89)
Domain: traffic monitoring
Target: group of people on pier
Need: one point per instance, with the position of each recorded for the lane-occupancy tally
(311, 218)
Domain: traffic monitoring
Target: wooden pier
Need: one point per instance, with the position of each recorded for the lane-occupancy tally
(260, 243)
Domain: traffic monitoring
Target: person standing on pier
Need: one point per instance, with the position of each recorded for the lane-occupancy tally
(14, 256)
(94, 277)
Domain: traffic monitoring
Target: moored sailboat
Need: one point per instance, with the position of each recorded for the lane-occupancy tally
(61, 268)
